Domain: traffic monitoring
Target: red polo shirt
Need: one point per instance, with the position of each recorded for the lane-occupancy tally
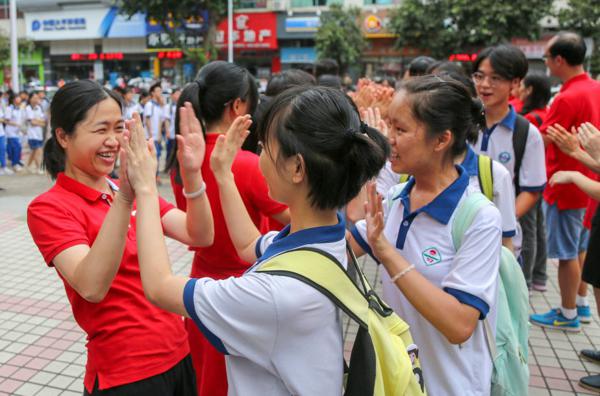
(577, 102)
(129, 339)
(220, 260)
(541, 116)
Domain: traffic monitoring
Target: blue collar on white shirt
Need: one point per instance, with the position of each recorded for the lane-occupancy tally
(442, 207)
(470, 162)
(508, 121)
(284, 241)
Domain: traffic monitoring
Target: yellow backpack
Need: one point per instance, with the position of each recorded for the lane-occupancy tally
(384, 360)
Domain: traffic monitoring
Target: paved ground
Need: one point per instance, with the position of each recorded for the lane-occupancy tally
(42, 350)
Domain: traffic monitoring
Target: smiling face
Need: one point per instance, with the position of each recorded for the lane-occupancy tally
(493, 89)
(92, 149)
(411, 149)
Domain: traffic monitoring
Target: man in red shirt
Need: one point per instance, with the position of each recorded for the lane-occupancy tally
(577, 102)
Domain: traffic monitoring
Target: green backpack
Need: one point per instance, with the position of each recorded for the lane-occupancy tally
(510, 376)
(384, 360)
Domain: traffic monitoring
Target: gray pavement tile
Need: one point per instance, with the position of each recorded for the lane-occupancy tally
(56, 367)
(28, 389)
(61, 381)
(42, 378)
(67, 357)
(48, 391)
(70, 393)
(6, 356)
(538, 392)
(77, 386)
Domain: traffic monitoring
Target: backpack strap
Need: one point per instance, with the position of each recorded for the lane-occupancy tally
(538, 119)
(519, 140)
(485, 175)
(324, 272)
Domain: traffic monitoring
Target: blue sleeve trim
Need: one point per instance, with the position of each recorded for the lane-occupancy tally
(362, 243)
(533, 188)
(509, 234)
(471, 300)
(257, 250)
(188, 301)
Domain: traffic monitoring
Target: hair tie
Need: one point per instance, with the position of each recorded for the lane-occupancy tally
(363, 128)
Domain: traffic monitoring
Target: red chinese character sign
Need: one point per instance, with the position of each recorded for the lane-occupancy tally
(250, 31)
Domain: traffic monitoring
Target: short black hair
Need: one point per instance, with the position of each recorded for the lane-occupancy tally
(420, 66)
(507, 61)
(569, 46)
(323, 126)
(327, 66)
(289, 78)
(329, 80)
(154, 86)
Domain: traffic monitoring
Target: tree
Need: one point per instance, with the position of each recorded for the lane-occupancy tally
(25, 47)
(442, 27)
(172, 14)
(339, 36)
(583, 17)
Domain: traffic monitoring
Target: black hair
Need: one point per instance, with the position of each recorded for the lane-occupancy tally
(175, 89)
(290, 78)
(442, 103)
(420, 65)
(540, 92)
(154, 86)
(70, 106)
(507, 61)
(440, 67)
(119, 90)
(127, 89)
(144, 94)
(11, 97)
(326, 66)
(218, 84)
(569, 46)
(329, 80)
(322, 125)
(31, 96)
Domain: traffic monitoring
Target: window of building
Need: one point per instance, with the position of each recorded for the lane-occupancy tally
(314, 3)
(380, 2)
(253, 4)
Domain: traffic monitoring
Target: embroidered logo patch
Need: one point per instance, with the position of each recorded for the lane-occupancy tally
(504, 157)
(431, 256)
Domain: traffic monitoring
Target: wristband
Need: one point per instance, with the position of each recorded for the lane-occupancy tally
(195, 194)
(402, 273)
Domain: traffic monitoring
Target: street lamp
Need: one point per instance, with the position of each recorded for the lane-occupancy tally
(230, 31)
(14, 51)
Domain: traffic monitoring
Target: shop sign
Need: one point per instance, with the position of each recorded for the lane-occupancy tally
(83, 24)
(94, 57)
(376, 24)
(298, 55)
(250, 31)
(302, 24)
(190, 33)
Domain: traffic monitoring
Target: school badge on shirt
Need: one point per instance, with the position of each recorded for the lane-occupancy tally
(431, 256)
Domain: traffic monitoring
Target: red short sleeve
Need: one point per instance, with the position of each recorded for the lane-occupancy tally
(164, 206)
(560, 112)
(54, 228)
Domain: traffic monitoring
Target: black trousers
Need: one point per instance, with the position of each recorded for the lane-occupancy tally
(178, 381)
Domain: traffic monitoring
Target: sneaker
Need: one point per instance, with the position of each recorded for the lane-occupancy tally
(18, 168)
(591, 382)
(541, 287)
(584, 313)
(8, 171)
(554, 319)
(591, 355)
(2, 171)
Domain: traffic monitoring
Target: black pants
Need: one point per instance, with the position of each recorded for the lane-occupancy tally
(591, 265)
(178, 381)
(533, 251)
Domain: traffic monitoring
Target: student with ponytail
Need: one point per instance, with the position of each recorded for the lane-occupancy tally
(222, 92)
(280, 335)
(442, 292)
(85, 227)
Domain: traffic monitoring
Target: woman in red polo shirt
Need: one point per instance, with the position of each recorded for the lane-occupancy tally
(85, 227)
(222, 92)
(535, 94)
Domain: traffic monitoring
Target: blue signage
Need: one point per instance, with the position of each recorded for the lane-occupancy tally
(298, 55)
(302, 24)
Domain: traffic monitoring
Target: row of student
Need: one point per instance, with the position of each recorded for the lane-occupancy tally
(22, 121)
(314, 145)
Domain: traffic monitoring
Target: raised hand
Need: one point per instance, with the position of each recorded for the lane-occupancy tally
(140, 158)
(566, 141)
(228, 145)
(589, 137)
(375, 224)
(190, 142)
(372, 117)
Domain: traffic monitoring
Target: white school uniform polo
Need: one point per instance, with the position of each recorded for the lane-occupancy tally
(496, 142)
(386, 179)
(154, 111)
(34, 132)
(503, 191)
(2, 123)
(169, 114)
(280, 336)
(13, 114)
(424, 239)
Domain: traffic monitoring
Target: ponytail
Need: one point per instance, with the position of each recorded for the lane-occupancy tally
(54, 157)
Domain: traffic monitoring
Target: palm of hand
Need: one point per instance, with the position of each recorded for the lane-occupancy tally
(191, 151)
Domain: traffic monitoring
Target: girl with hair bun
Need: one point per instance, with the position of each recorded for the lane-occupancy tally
(441, 292)
(222, 92)
(280, 336)
(85, 227)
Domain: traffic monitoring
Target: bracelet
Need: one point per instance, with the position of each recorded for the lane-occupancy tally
(195, 194)
(402, 273)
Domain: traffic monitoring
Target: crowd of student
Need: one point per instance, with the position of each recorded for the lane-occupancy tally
(400, 159)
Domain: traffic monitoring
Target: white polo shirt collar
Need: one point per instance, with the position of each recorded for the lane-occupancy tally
(508, 122)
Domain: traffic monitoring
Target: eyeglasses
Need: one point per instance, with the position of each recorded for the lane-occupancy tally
(479, 77)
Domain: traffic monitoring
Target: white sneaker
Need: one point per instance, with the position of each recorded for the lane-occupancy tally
(18, 168)
(41, 172)
(2, 172)
(7, 171)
